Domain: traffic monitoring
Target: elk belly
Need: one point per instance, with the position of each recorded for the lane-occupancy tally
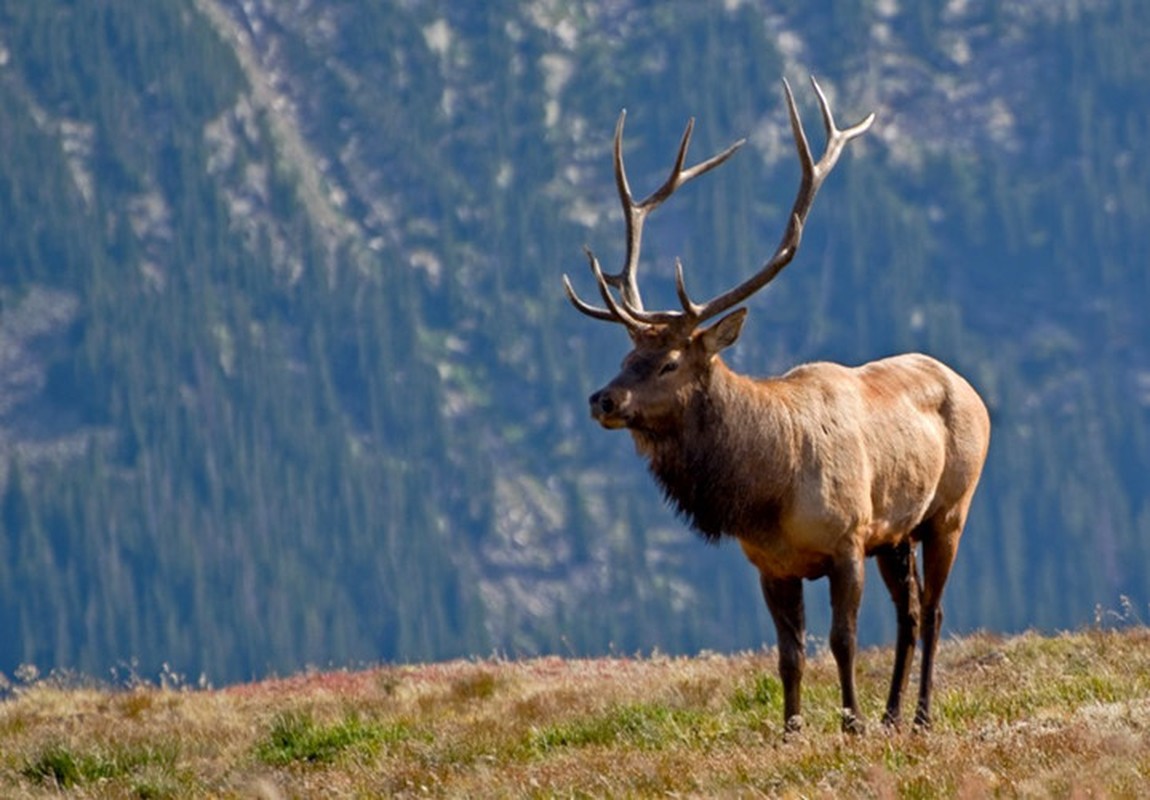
(777, 557)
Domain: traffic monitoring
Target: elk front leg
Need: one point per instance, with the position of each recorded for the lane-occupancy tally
(846, 580)
(900, 574)
(785, 602)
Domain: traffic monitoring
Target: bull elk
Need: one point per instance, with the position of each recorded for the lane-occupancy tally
(812, 471)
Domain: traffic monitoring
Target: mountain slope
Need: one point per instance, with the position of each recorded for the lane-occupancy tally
(289, 376)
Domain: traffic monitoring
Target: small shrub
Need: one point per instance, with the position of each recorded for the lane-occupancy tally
(478, 686)
(136, 703)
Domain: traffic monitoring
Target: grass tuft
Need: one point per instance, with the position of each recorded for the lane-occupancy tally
(62, 768)
(642, 725)
(764, 694)
(296, 738)
(65, 767)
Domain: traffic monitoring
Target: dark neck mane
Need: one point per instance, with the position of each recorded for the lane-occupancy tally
(723, 469)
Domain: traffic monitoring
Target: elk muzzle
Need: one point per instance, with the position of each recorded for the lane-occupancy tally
(609, 407)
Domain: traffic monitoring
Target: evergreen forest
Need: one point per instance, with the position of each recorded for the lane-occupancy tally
(287, 374)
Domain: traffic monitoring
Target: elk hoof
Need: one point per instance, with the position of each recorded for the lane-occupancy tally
(852, 723)
(891, 721)
(793, 726)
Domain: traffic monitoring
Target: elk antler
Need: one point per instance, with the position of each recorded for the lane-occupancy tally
(630, 311)
(635, 214)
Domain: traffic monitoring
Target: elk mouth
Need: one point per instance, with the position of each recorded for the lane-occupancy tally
(610, 423)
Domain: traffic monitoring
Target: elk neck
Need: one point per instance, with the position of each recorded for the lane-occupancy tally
(728, 465)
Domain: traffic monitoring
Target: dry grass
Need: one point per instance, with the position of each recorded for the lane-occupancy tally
(1029, 716)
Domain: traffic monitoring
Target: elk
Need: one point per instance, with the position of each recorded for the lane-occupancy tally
(811, 472)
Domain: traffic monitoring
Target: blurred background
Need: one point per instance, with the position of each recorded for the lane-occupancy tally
(288, 379)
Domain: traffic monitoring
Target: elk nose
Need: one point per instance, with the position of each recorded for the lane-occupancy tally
(602, 403)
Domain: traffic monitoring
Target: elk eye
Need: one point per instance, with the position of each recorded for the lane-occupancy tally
(669, 366)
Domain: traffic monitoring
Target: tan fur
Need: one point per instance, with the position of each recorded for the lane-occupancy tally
(874, 451)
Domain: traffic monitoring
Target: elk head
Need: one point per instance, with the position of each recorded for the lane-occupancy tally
(665, 368)
(673, 352)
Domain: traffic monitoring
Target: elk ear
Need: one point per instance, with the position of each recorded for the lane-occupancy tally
(724, 332)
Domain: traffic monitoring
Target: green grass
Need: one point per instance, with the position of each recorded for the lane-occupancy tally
(150, 769)
(643, 725)
(296, 738)
(765, 693)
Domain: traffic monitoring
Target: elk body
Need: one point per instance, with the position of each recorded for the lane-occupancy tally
(812, 472)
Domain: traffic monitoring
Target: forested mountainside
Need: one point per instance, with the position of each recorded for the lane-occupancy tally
(288, 377)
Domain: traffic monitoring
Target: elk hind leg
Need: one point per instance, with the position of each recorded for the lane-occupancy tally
(900, 574)
(939, 548)
(785, 602)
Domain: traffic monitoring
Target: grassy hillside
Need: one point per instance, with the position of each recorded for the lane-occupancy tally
(1023, 716)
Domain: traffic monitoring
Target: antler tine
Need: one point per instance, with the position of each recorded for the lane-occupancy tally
(836, 139)
(813, 174)
(631, 311)
(613, 312)
(586, 308)
(620, 313)
(690, 310)
(625, 280)
(679, 176)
